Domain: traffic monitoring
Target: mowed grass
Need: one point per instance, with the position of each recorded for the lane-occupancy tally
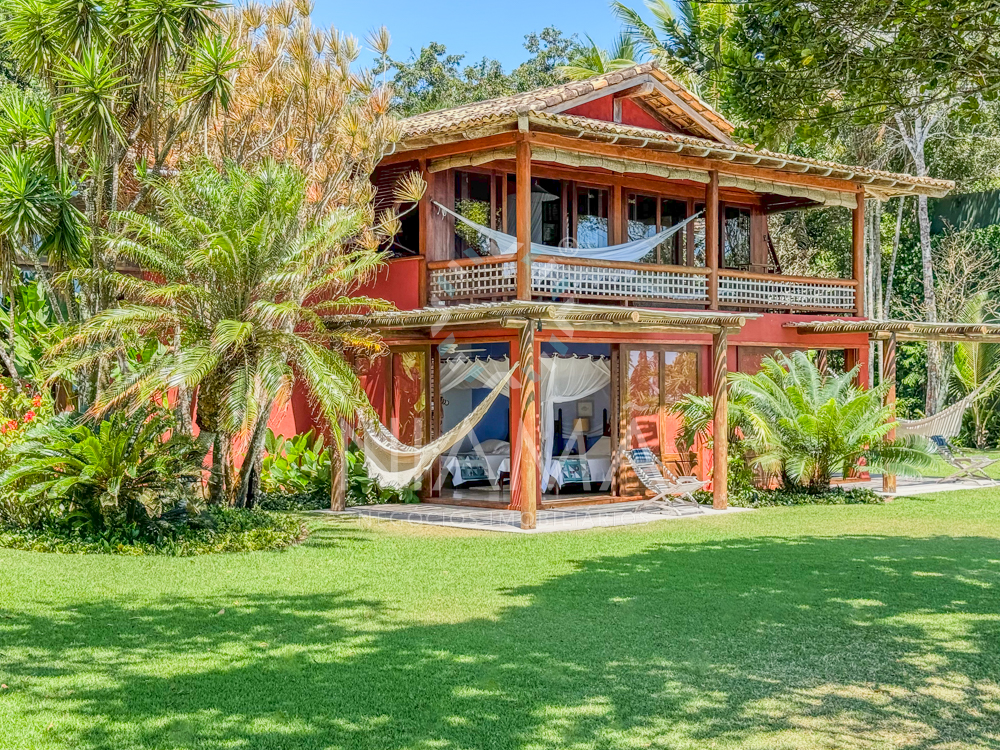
(810, 627)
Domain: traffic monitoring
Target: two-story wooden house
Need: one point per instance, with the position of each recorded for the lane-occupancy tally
(612, 238)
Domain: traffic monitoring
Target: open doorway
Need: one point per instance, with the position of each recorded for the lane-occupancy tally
(576, 419)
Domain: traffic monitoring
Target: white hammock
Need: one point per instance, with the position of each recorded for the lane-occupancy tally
(394, 464)
(506, 244)
(947, 422)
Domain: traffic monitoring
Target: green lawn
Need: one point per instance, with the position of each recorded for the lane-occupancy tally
(809, 627)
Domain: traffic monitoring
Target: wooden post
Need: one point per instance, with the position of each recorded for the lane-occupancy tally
(889, 376)
(523, 187)
(712, 238)
(338, 472)
(858, 245)
(615, 215)
(720, 421)
(525, 485)
(425, 217)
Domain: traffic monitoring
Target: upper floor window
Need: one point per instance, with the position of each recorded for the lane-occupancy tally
(649, 215)
(736, 238)
(591, 217)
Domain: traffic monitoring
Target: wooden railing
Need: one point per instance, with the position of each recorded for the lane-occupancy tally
(792, 293)
(557, 276)
(564, 278)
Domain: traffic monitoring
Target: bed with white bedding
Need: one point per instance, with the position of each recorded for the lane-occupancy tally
(485, 464)
(592, 469)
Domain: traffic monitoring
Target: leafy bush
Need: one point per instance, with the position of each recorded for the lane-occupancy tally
(299, 466)
(118, 474)
(748, 496)
(800, 425)
(214, 529)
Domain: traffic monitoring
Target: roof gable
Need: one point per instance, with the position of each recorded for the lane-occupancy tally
(651, 96)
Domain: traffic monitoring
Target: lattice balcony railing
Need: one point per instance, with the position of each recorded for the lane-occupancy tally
(469, 282)
(617, 283)
(791, 293)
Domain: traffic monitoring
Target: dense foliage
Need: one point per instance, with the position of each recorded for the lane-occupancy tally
(799, 425)
(214, 529)
(117, 473)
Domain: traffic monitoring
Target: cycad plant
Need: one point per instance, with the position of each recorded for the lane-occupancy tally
(802, 425)
(116, 472)
(239, 282)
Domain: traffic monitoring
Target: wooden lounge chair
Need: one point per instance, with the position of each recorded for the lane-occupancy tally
(965, 466)
(656, 477)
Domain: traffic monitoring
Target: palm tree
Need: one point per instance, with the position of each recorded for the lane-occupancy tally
(241, 281)
(592, 60)
(975, 363)
(802, 425)
(690, 43)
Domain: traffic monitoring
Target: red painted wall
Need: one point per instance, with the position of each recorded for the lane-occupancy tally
(603, 109)
(398, 281)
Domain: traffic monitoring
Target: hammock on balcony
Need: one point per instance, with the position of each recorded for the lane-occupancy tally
(395, 464)
(947, 422)
(506, 244)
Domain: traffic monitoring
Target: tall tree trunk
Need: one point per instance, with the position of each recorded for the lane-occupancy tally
(915, 134)
(253, 461)
(217, 479)
(887, 300)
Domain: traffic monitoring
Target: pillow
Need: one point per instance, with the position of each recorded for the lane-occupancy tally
(601, 448)
(495, 447)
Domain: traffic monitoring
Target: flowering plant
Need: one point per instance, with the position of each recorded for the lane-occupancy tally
(20, 410)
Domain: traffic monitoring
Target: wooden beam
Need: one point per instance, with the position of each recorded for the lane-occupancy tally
(858, 245)
(615, 223)
(712, 238)
(694, 114)
(523, 188)
(451, 149)
(889, 376)
(525, 487)
(702, 164)
(720, 421)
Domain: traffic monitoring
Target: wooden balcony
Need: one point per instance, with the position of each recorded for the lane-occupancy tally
(562, 278)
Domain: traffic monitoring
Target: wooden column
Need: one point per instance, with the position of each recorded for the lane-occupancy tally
(720, 421)
(889, 376)
(712, 237)
(523, 218)
(858, 246)
(425, 235)
(615, 215)
(524, 486)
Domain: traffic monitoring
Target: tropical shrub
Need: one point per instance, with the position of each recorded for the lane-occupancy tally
(296, 466)
(214, 529)
(801, 425)
(116, 474)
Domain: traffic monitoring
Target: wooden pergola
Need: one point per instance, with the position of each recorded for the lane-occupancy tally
(891, 331)
(532, 318)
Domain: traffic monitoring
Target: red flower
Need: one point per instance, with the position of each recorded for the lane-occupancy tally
(11, 425)
(28, 416)
(36, 401)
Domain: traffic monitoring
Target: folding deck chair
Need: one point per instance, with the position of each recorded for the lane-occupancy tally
(965, 466)
(656, 477)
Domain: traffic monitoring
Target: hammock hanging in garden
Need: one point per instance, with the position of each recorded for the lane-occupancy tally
(506, 244)
(947, 422)
(395, 464)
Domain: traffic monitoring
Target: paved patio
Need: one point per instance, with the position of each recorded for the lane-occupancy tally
(563, 519)
(911, 486)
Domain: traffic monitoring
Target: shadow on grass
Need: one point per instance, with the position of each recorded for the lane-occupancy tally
(849, 641)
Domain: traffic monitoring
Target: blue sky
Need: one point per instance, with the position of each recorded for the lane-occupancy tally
(476, 29)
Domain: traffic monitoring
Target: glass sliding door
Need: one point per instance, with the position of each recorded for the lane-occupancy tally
(409, 412)
(653, 379)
